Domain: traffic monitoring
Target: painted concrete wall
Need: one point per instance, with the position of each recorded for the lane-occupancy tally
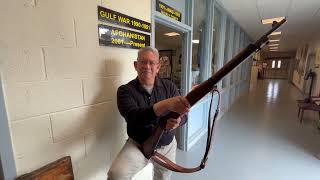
(60, 84)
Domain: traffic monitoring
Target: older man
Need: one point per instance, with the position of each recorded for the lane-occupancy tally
(141, 102)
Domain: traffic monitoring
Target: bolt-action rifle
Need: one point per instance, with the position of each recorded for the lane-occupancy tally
(149, 146)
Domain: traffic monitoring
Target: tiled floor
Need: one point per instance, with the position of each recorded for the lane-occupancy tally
(260, 138)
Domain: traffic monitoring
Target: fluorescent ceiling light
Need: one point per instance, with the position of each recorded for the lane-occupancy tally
(196, 41)
(270, 45)
(275, 33)
(273, 50)
(172, 34)
(270, 21)
(274, 40)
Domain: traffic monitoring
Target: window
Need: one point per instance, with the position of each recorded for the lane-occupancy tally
(279, 63)
(198, 43)
(225, 83)
(273, 64)
(216, 41)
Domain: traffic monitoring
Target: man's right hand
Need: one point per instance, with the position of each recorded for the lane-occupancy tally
(178, 104)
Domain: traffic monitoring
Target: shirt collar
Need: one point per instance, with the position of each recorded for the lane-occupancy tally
(157, 83)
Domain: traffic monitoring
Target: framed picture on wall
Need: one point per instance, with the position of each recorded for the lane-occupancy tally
(317, 60)
(303, 60)
(165, 57)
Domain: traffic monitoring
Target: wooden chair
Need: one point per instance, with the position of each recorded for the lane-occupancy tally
(58, 170)
(310, 104)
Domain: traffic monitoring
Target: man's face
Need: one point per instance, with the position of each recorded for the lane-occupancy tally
(147, 67)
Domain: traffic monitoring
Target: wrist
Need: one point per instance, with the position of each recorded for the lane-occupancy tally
(160, 107)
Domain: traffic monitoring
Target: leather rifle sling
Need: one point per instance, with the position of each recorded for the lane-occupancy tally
(167, 163)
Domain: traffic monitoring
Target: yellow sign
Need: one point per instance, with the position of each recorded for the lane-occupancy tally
(118, 37)
(168, 11)
(114, 17)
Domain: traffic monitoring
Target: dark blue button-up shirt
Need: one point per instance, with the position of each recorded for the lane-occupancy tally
(135, 104)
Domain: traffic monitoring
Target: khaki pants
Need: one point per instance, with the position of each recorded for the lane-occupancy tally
(130, 161)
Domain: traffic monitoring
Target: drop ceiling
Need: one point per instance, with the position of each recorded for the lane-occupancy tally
(164, 42)
(303, 19)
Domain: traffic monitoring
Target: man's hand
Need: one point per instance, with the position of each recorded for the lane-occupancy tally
(178, 104)
(173, 123)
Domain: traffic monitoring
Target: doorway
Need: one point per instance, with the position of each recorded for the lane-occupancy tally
(169, 42)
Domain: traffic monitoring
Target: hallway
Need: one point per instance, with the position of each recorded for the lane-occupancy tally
(260, 138)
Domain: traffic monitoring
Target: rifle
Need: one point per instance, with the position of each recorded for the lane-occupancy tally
(148, 147)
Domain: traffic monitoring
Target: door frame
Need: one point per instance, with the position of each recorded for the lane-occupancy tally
(157, 17)
(7, 162)
(185, 141)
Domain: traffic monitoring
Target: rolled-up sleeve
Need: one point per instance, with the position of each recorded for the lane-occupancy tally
(129, 109)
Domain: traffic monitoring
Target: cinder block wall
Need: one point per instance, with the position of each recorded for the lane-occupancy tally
(60, 85)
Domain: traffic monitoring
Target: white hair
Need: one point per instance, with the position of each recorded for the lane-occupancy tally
(150, 49)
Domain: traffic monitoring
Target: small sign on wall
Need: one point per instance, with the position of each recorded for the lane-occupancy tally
(108, 15)
(317, 61)
(168, 11)
(118, 37)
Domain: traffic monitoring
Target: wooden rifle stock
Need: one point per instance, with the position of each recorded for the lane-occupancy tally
(149, 146)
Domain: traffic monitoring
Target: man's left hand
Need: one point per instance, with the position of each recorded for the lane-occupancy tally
(173, 123)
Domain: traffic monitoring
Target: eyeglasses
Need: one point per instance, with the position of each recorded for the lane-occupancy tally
(145, 62)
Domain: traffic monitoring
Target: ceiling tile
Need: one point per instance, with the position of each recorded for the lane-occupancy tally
(270, 9)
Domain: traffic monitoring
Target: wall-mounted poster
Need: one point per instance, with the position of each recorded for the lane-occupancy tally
(118, 37)
(298, 53)
(165, 57)
(303, 60)
(317, 60)
(110, 16)
(110, 35)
